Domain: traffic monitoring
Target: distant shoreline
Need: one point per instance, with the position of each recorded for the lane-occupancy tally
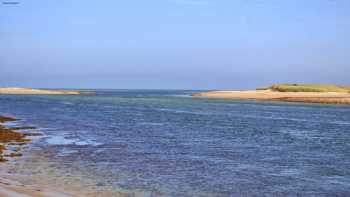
(24, 91)
(268, 95)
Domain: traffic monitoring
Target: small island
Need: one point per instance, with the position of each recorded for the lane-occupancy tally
(306, 93)
(21, 91)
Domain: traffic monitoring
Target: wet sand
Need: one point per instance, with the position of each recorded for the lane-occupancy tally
(35, 91)
(25, 177)
(11, 143)
(10, 188)
(268, 95)
(13, 186)
(21, 176)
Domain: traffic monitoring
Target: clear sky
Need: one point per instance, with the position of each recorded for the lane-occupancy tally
(181, 44)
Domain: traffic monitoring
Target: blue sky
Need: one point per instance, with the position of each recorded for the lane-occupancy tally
(177, 44)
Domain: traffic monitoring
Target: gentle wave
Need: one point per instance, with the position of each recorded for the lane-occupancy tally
(61, 140)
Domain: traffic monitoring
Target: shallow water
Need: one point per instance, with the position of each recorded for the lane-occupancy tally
(164, 143)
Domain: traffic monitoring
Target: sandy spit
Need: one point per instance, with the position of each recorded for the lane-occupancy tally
(34, 91)
(268, 95)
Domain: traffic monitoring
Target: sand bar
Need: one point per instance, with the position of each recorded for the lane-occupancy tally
(35, 91)
(268, 95)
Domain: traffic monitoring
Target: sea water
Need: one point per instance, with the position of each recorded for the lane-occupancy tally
(166, 143)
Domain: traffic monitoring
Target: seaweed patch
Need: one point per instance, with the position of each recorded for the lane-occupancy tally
(11, 137)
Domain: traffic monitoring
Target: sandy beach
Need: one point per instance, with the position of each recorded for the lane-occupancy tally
(35, 91)
(268, 95)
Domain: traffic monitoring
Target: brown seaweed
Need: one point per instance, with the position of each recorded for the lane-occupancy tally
(9, 136)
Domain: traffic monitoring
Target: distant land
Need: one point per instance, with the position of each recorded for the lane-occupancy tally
(306, 93)
(10, 2)
(36, 91)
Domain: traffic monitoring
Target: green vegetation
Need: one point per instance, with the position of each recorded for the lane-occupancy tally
(263, 88)
(308, 88)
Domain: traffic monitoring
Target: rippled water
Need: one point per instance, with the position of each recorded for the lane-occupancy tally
(166, 143)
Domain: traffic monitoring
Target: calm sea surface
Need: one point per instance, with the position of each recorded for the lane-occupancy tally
(166, 143)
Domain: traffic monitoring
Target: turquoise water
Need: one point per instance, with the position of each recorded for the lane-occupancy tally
(170, 144)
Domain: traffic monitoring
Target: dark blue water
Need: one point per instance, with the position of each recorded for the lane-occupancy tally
(170, 144)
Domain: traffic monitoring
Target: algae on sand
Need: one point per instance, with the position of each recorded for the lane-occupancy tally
(9, 136)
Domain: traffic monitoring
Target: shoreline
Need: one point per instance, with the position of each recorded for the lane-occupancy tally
(29, 91)
(19, 175)
(268, 95)
(11, 142)
(28, 185)
(10, 188)
(28, 179)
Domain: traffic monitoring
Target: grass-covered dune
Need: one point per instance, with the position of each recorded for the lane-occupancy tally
(307, 88)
